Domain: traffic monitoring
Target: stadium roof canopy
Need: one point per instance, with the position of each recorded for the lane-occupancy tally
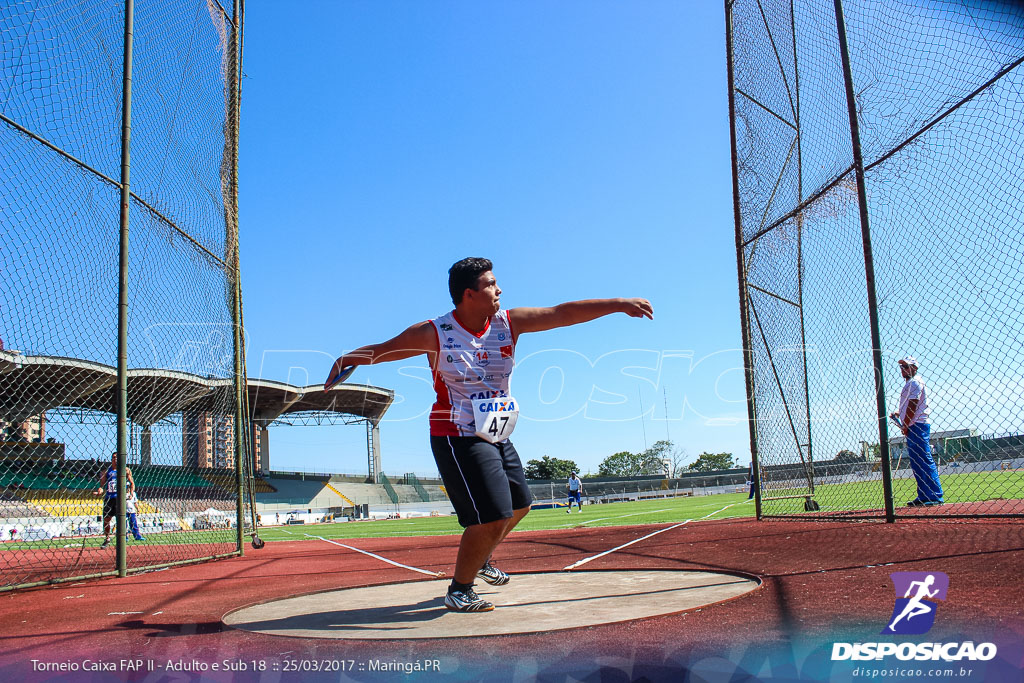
(30, 385)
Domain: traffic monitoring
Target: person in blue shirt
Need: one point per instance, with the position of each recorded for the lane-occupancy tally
(108, 489)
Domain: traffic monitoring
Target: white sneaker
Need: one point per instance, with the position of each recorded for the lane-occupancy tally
(569, 511)
(466, 601)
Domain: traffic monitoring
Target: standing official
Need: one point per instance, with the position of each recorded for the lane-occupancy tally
(913, 421)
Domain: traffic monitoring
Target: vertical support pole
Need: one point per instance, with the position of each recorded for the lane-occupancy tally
(373, 451)
(869, 265)
(122, 287)
(800, 243)
(741, 270)
(241, 420)
(146, 446)
(264, 446)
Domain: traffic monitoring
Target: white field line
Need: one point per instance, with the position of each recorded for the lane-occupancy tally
(394, 533)
(642, 538)
(437, 575)
(601, 519)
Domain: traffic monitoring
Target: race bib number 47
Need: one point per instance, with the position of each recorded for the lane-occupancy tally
(495, 418)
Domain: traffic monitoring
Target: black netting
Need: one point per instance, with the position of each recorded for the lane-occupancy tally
(939, 99)
(60, 155)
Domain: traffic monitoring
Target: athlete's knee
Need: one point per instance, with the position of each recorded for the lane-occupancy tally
(485, 528)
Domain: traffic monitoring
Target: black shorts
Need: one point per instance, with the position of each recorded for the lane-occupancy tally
(109, 507)
(485, 481)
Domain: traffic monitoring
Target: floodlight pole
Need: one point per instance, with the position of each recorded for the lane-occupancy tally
(741, 270)
(122, 289)
(869, 265)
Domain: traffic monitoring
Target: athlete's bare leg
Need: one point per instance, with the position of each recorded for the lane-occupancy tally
(517, 516)
(479, 541)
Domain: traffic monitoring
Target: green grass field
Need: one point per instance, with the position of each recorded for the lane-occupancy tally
(663, 510)
(967, 487)
(867, 495)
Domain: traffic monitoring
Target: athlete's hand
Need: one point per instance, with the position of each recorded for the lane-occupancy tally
(638, 308)
(335, 371)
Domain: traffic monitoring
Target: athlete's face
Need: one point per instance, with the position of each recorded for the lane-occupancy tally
(488, 293)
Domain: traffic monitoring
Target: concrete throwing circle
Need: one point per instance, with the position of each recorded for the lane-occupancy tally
(530, 603)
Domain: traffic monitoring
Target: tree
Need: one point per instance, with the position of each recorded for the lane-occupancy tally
(626, 464)
(712, 462)
(670, 457)
(848, 456)
(550, 468)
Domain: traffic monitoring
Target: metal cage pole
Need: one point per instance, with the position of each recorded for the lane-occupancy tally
(869, 265)
(800, 243)
(741, 271)
(235, 271)
(122, 288)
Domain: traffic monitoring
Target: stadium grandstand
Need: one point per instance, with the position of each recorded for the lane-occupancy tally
(45, 490)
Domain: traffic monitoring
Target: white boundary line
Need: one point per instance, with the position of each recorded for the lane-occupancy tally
(602, 519)
(642, 538)
(436, 575)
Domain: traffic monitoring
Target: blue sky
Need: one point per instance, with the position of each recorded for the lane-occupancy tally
(582, 146)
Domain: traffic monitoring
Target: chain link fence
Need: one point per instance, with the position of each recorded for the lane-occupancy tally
(600, 490)
(83, 130)
(878, 206)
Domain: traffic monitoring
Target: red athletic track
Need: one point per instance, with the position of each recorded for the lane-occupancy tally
(822, 582)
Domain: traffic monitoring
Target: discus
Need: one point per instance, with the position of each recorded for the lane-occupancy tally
(345, 373)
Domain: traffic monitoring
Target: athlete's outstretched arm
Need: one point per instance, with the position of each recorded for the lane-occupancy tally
(420, 338)
(575, 312)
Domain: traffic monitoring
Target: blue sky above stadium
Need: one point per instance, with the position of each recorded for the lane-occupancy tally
(582, 146)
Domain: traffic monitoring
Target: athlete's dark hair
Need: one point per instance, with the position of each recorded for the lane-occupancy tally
(464, 274)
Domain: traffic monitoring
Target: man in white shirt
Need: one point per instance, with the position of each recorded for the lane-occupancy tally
(575, 487)
(131, 508)
(471, 353)
(913, 420)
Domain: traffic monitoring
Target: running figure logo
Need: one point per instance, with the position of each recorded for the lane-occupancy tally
(914, 612)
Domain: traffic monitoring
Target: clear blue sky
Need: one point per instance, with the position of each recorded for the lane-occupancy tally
(582, 146)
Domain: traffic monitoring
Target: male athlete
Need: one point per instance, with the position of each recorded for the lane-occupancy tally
(575, 487)
(108, 489)
(471, 351)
